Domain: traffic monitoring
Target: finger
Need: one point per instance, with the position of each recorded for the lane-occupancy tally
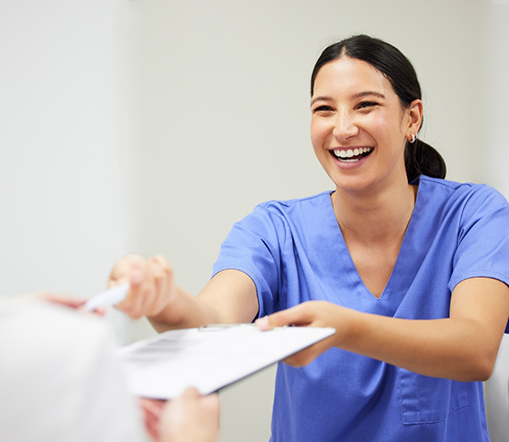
(167, 269)
(135, 278)
(163, 262)
(211, 405)
(151, 425)
(121, 270)
(191, 393)
(212, 399)
(211, 402)
(309, 354)
(298, 315)
(141, 278)
(161, 282)
(304, 357)
(153, 406)
(155, 297)
(145, 293)
(136, 281)
(264, 323)
(152, 410)
(296, 361)
(67, 300)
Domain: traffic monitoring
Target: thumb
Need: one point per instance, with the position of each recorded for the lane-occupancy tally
(191, 393)
(293, 316)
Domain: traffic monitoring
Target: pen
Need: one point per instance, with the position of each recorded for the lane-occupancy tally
(108, 298)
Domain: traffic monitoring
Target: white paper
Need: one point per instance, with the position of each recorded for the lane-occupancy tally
(108, 298)
(164, 366)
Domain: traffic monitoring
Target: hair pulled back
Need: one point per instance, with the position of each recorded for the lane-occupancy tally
(420, 158)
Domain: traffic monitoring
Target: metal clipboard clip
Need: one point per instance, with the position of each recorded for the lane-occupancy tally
(217, 327)
(247, 325)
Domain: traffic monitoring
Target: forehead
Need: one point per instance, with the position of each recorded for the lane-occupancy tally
(350, 76)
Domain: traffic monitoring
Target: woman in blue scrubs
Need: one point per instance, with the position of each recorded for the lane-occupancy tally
(410, 269)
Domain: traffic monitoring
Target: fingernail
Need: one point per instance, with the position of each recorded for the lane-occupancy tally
(263, 322)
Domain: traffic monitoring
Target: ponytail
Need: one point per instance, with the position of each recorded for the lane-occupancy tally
(422, 159)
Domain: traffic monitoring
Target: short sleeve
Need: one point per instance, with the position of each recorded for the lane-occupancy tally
(483, 240)
(253, 247)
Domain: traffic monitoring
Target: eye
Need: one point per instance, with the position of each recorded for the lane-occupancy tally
(322, 108)
(367, 104)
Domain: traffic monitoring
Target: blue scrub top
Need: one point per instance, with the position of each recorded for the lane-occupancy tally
(294, 252)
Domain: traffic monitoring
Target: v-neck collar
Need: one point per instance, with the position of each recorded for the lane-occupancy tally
(337, 263)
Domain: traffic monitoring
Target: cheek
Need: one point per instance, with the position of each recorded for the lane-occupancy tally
(378, 123)
(316, 135)
(390, 124)
(318, 132)
(385, 129)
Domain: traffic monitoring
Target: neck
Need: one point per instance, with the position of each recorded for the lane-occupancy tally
(375, 217)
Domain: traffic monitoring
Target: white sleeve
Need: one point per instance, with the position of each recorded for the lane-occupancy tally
(60, 379)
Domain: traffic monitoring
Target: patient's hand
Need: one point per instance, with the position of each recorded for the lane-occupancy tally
(56, 298)
(191, 418)
(152, 410)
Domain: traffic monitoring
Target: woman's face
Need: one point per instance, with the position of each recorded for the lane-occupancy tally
(358, 126)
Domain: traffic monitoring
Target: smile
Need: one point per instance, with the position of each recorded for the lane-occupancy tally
(351, 155)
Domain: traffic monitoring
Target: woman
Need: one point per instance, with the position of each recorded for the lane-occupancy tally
(410, 269)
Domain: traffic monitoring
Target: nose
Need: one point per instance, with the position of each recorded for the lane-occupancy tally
(345, 126)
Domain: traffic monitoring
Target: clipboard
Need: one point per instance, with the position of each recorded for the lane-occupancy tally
(209, 358)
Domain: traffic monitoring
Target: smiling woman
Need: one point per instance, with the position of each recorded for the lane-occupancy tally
(354, 109)
(388, 61)
(410, 269)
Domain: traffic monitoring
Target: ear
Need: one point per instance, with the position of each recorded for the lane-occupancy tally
(414, 112)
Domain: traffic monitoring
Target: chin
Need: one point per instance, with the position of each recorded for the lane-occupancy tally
(352, 185)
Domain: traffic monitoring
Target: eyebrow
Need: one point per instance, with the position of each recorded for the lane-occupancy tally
(320, 99)
(359, 95)
(367, 93)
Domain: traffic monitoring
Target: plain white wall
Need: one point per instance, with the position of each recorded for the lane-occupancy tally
(63, 221)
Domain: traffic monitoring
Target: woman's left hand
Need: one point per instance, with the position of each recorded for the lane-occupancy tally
(309, 314)
(462, 347)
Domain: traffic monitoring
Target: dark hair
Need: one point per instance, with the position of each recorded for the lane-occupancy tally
(420, 158)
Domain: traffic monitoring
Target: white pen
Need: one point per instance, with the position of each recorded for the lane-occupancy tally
(108, 298)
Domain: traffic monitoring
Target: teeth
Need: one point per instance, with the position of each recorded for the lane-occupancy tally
(349, 153)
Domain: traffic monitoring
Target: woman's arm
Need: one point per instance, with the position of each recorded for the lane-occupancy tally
(462, 347)
(229, 297)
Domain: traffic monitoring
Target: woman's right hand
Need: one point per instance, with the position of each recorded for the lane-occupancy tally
(152, 287)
